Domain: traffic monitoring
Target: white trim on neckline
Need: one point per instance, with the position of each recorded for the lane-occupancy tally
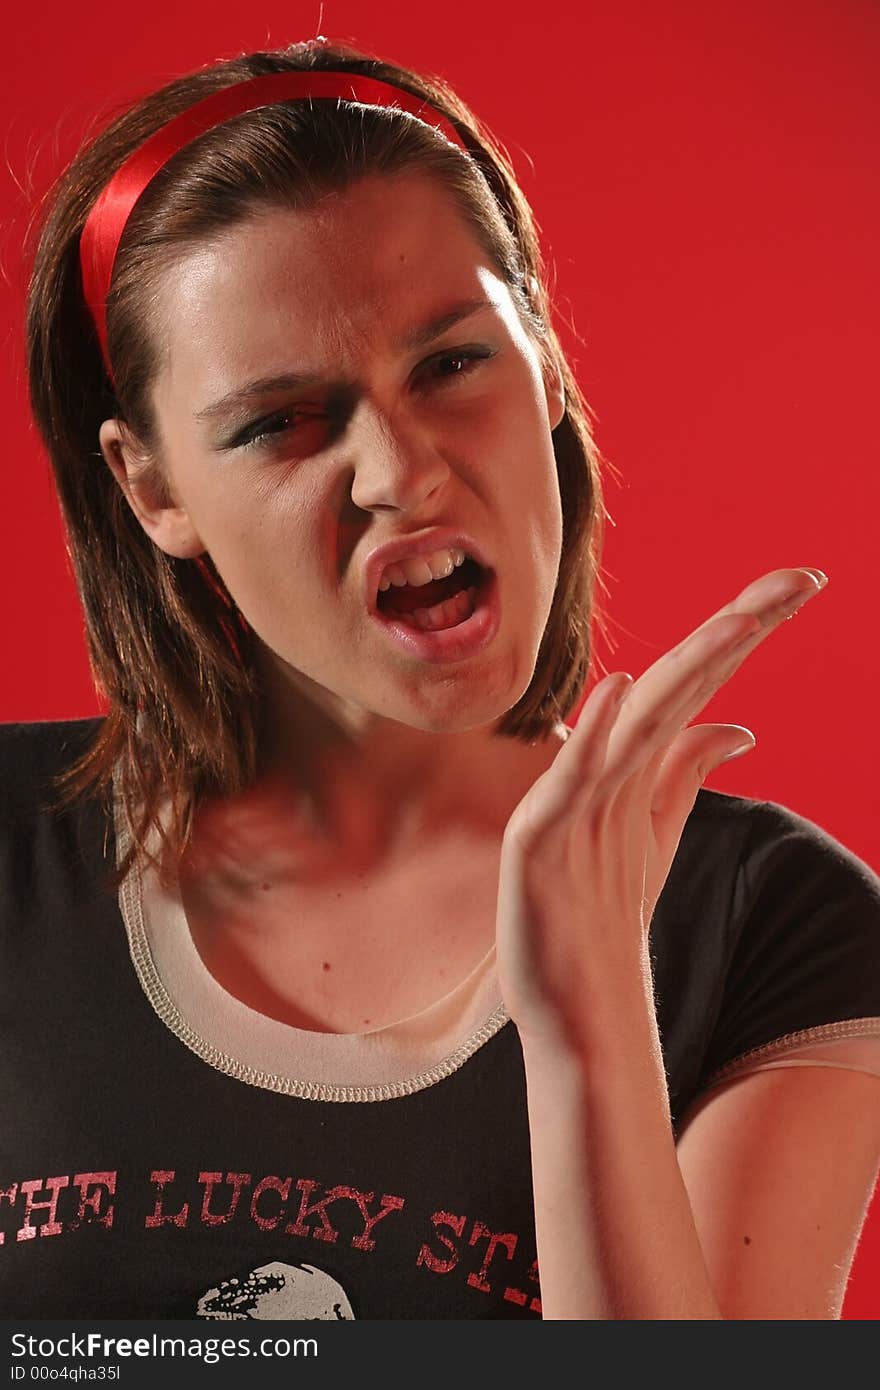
(381, 1064)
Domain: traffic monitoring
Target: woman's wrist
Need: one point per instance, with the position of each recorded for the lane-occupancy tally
(614, 1021)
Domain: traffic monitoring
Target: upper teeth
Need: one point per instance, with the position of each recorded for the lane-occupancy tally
(421, 569)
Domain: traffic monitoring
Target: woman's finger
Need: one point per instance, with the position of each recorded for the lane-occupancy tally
(605, 751)
(669, 801)
(696, 752)
(770, 592)
(577, 764)
(773, 606)
(677, 687)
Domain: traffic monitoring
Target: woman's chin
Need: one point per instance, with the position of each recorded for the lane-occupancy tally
(460, 708)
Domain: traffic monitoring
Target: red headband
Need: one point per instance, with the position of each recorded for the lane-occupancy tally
(106, 221)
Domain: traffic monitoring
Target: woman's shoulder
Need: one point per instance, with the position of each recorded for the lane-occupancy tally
(33, 753)
(752, 867)
(26, 743)
(763, 834)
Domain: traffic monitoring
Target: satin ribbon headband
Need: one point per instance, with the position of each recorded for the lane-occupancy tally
(106, 221)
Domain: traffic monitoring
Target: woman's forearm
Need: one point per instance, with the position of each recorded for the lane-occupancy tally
(615, 1231)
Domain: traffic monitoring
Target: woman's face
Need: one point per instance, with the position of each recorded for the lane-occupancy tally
(290, 488)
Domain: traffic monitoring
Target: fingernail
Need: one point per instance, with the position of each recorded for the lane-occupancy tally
(738, 751)
(820, 578)
(790, 606)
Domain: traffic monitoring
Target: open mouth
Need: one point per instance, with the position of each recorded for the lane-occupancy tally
(439, 604)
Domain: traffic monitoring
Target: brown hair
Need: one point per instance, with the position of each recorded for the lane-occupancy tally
(183, 711)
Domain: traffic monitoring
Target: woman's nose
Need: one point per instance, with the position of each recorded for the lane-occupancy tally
(396, 464)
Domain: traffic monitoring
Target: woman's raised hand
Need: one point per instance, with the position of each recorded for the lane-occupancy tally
(588, 849)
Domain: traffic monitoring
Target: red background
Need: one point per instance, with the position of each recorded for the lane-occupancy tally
(705, 180)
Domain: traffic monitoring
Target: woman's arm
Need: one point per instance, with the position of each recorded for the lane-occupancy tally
(755, 1215)
(585, 856)
(616, 1236)
(780, 1169)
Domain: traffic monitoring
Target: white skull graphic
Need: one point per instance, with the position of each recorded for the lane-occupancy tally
(277, 1291)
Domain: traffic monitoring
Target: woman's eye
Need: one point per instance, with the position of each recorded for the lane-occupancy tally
(467, 357)
(446, 367)
(264, 432)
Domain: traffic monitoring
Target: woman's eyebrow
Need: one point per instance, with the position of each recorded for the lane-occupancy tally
(418, 337)
(426, 332)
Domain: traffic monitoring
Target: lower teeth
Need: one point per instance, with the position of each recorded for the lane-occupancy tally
(442, 615)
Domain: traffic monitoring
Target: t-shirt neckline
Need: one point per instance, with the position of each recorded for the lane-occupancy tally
(382, 1063)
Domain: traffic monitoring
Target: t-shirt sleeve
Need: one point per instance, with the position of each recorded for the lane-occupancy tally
(803, 965)
(859, 1053)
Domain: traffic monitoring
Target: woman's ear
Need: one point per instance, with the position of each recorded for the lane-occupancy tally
(554, 390)
(147, 492)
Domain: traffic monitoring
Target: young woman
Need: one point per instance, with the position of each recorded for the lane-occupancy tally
(341, 979)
